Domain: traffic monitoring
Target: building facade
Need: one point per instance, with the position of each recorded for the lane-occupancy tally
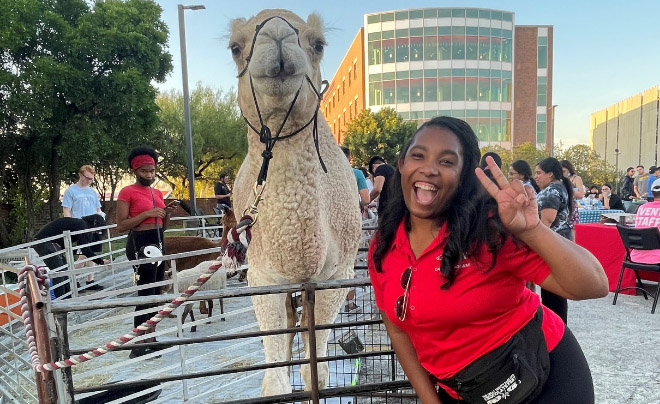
(460, 62)
(626, 134)
(344, 98)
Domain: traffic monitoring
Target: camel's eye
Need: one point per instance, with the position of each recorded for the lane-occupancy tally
(235, 49)
(318, 46)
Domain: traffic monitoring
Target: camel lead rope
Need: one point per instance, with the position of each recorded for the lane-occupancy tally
(234, 256)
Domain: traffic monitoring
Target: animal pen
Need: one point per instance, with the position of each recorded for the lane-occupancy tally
(222, 362)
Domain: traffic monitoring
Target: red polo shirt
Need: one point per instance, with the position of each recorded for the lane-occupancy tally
(478, 313)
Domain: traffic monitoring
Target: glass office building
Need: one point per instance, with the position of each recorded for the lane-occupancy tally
(443, 61)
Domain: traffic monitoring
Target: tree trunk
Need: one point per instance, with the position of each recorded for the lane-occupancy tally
(54, 207)
(29, 203)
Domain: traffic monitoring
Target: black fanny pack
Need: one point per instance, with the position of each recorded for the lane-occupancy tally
(511, 374)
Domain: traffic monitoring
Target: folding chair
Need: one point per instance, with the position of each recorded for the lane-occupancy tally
(639, 239)
(203, 222)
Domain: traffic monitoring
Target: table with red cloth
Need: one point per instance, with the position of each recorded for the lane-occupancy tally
(604, 242)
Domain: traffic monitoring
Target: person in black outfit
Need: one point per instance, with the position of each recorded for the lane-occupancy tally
(58, 227)
(627, 189)
(382, 173)
(610, 200)
(222, 192)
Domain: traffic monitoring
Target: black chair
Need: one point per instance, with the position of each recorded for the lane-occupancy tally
(639, 239)
(632, 208)
(204, 223)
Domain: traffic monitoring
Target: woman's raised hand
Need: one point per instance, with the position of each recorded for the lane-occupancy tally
(516, 203)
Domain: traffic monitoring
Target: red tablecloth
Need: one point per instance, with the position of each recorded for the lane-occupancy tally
(604, 242)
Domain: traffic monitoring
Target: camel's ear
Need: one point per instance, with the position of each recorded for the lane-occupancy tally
(235, 27)
(315, 22)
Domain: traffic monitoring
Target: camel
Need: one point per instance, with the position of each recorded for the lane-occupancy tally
(308, 226)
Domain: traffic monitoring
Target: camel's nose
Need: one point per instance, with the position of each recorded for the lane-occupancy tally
(279, 31)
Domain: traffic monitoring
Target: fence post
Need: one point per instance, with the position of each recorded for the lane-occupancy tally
(310, 300)
(62, 352)
(68, 248)
(46, 390)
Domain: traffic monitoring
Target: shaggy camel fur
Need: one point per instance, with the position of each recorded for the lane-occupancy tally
(308, 226)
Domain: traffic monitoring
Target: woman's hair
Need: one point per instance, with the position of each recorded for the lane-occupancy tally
(471, 215)
(596, 187)
(567, 165)
(139, 151)
(607, 184)
(552, 165)
(525, 170)
(496, 157)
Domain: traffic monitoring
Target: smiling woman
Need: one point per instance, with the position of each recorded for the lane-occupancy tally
(467, 243)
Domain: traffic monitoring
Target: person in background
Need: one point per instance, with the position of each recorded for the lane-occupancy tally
(222, 192)
(496, 158)
(639, 184)
(448, 265)
(648, 215)
(653, 175)
(363, 192)
(576, 180)
(58, 227)
(143, 213)
(593, 197)
(81, 200)
(520, 170)
(370, 185)
(578, 189)
(555, 208)
(610, 200)
(627, 188)
(381, 174)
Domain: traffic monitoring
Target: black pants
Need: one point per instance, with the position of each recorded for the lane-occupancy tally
(555, 303)
(146, 273)
(53, 263)
(569, 381)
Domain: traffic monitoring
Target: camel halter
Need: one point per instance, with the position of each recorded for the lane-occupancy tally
(265, 135)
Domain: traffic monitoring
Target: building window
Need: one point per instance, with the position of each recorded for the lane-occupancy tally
(355, 69)
(416, 90)
(376, 93)
(542, 57)
(402, 50)
(349, 76)
(416, 48)
(375, 54)
(355, 105)
(388, 92)
(430, 48)
(431, 89)
(343, 86)
(542, 95)
(350, 110)
(403, 91)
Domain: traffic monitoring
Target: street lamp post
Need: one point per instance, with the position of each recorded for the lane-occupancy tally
(186, 105)
(552, 131)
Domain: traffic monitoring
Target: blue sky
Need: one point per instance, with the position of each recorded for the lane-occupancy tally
(604, 51)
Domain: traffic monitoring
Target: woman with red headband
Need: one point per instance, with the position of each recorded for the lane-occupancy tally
(143, 213)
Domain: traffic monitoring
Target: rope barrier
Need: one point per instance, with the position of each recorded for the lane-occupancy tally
(234, 255)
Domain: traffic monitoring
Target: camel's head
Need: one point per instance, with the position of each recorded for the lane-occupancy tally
(277, 49)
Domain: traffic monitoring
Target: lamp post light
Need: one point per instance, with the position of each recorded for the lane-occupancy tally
(552, 131)
(186, 105)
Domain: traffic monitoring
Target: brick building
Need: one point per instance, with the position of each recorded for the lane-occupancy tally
(473, 64)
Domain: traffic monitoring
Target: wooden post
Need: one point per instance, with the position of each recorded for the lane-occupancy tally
(310, 300)
(62, 352)
(46, 390)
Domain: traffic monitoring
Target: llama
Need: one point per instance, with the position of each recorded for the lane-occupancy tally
(188, 277)
(308, 226)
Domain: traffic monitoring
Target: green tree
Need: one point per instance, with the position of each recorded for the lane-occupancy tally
(76, 89)
(589, 165)
(383, 133)
(219, 136)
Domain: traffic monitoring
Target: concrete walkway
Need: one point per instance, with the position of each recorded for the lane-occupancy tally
(622, 345)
